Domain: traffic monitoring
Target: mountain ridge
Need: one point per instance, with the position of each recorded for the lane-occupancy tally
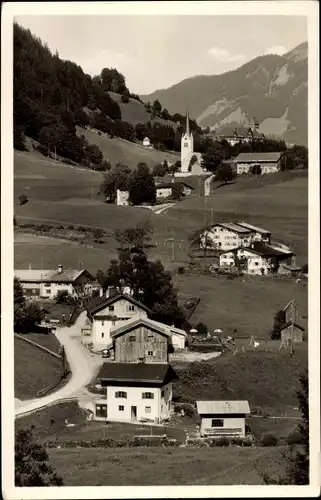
(270, 88)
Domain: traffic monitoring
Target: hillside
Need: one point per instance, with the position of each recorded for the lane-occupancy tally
(119, 150)
(271, 88)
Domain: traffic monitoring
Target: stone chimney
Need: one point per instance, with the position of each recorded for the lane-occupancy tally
(60, 269)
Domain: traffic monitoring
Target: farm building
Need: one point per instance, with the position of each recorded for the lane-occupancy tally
(269, 162)
(259, 258)
(107, 311)
(222, 418)
(289, 270)
(46, 284)
(226, 235)
(292, 331)
(141, 339)
(142, 392)
(147, 143)
(165, 190)
(122, 198)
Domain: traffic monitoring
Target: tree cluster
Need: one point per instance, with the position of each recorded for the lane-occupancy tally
(32, 467)
(26, 316)
(150, 283)
(139, 183)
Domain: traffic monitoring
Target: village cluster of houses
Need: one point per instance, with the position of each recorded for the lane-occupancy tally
(249, 247)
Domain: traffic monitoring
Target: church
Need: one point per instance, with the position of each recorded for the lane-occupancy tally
(190, 160)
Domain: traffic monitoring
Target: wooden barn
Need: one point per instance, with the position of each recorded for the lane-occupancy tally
(292, 331)
(141, 340)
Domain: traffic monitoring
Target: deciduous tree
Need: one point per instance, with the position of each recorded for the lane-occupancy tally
(32, 467)
(142, 186)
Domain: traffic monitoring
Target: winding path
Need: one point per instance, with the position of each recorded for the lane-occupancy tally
(83, 365)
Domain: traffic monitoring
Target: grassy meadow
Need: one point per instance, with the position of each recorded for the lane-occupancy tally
(34, 369)
(163, 466)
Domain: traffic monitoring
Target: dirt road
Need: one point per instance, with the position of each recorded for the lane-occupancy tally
(83, 365)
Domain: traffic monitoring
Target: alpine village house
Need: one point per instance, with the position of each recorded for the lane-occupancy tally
(137, 377)
(249, 246)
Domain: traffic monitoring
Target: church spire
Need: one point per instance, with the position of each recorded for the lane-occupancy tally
(187, 123)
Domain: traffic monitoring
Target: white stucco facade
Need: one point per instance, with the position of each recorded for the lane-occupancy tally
(111, 316)
(122, 198)
(132, 403)
(223, 238)
(255, 263)
(266, 167)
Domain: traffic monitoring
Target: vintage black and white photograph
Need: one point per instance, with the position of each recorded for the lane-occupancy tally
(161, 252)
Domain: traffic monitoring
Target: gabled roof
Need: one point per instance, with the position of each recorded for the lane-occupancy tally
(155, 373)
(260, 249)
(173, 330)
(254, 228)
(232, 227)
(96, 304)
(164, 185)
(221, 407)
(37, 275)
(251, 157)
(136, 321)
(286, 325)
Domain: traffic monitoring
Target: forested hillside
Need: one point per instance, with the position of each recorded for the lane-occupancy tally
(53, 96)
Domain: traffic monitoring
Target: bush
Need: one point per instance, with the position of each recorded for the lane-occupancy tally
(201, 328)
(294, 437)
(124, 98)
(268, 440)
(23, 199)
(223, 441)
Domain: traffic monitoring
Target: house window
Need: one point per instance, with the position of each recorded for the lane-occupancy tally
(121, 394)
(162, 393)
(147, 395)
(113, 322)
(47, 291)
(101, 411)
(150, 336)
(47, 285)
(121, 408)
(102, 335)
(130, 308)
(102, 323)
(256, 263)
(148, 409)
(132, 338)
(185, 144)
(217, 422)
(111, 308)
(150, 353)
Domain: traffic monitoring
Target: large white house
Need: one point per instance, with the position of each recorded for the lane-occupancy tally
(269, 162)
(222, 418)
(259, 258)
(46, 284)
(227, 235)
(108, 311)
(140, 392)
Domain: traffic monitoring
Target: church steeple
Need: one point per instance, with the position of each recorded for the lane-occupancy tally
(187, 124)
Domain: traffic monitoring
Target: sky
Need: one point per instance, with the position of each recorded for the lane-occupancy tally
(155, 52)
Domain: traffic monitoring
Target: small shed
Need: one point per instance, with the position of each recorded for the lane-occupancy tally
(146, 142)
(222, 418)
(288, 270)
(292, 331)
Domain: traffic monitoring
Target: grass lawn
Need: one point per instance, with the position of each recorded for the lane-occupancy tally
(46, 340)
(161, 466)
(248, 306)
(34, 370)
(268, 380)
(121, 151)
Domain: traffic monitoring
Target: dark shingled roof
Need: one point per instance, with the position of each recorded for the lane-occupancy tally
(97, 303)
(261, 249)
(136, 372)
(252, 157)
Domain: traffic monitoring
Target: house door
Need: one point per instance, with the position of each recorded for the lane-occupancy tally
(134, 412)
